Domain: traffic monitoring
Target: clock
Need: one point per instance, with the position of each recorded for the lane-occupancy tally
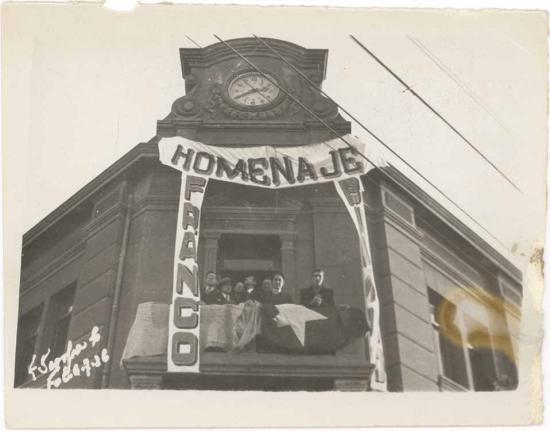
(253, 90)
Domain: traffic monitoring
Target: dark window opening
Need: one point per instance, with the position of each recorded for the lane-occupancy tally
(63, 303)
(245, 255)
(451, 351)
(480, 354)
(27, 336)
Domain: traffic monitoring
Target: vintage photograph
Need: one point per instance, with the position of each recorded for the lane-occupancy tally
(235, 209)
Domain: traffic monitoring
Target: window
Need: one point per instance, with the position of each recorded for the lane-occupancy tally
(242, 255)
(480, 355)
(464, 343)
(62, 309)
(28, 328)
(398, 206)
(451, 354)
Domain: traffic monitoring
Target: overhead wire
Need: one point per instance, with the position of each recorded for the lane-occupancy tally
(336, 134)
(428, 223)
(435, 112)
(297, 101)
(370, 132)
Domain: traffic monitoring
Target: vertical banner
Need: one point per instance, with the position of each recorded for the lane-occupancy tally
(183, 328)
(351, 191)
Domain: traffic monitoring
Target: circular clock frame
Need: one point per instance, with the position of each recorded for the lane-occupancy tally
(254, 108)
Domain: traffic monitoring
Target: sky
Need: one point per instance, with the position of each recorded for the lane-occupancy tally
(83, 85)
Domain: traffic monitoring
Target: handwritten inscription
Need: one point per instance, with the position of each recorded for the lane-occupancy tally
(70, 364)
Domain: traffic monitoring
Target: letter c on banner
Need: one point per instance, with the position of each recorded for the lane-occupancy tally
(185, 322)
(184, 359)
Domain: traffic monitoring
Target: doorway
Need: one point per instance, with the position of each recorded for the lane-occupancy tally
(244, 255)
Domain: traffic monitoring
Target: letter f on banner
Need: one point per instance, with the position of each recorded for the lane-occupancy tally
(183, 328)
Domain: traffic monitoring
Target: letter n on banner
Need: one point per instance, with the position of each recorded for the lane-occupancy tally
(183, 327)
(351, 191)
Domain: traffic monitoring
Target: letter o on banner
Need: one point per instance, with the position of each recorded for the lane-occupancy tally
(182, 339)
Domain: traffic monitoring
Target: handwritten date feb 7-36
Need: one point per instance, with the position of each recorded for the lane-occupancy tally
(71, 363)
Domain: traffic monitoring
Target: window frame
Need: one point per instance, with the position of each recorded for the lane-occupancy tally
(466, 347)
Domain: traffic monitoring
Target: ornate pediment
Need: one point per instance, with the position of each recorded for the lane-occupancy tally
(229, 99)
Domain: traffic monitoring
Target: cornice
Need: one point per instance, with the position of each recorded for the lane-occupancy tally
(315, 59)
(155, 203)
(452, 222)
(60, 262)
(141, 151)
(156, 365)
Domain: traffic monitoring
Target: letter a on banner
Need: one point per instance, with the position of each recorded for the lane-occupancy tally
(351, 191)
(183, 327)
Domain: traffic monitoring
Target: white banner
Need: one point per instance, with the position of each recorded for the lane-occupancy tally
(183, 329)
(351, 191)
(269, 167)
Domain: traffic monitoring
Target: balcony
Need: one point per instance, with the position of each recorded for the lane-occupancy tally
(347, 369)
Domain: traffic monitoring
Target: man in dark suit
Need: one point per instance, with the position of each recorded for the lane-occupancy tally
(276, 296)
(222, 295)
(317, 295)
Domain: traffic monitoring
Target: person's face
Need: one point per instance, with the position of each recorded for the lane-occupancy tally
(278, 283)
(226, 288)
(266, 285)
(211, 278)
(239, 287)
(318, 278)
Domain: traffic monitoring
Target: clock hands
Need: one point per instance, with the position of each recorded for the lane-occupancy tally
(252, 90)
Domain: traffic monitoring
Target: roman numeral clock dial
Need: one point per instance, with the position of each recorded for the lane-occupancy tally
(253, 90)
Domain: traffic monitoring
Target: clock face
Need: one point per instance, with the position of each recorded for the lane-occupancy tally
(253, 89)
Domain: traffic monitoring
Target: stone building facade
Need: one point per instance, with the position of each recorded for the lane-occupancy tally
(110, 248)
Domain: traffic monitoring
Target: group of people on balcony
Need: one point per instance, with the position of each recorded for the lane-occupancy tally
(270, 292)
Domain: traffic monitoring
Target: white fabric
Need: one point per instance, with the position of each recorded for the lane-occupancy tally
(296, 316)
(317, 154)
(356, 209)
(148, 335)
(217, 326)
(226, 327)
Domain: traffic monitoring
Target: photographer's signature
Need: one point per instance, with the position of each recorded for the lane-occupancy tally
(69, 365)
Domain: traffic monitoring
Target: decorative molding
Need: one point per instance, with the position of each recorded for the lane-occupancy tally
(384, 215)
(258, 365)
(217, 103)
(60, 262)
(452, 222)
(477, 292)
(450, 271)
(110, 216)
(141, 151)
(314, 61)
(249, 214)
(155, 203)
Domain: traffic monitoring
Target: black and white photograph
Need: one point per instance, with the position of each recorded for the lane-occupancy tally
(251, 203)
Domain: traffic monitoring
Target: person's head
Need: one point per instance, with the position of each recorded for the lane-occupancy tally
(211, 278)
(318, 276)
(239, 287)
(250, 283)
(225, 285)
(278, 282)
(266, 285)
